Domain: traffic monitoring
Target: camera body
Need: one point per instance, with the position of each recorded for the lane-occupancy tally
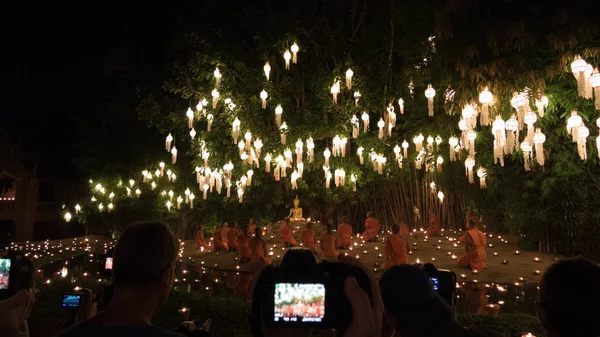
(301, 293)
(71, 300)
(443, 281)
(16, 273)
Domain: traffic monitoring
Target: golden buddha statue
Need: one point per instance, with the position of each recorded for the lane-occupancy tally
(296, 212)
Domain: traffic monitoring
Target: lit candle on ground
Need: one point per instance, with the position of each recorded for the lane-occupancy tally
(475, 271)
(184, 314)
(495, 253)
(537, 259)
(504, 261)
(536, 272)
(453, 257)
(529, 334)
(517, 252)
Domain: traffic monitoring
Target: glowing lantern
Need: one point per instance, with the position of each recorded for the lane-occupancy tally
(278, 113)
(355, 126)
(530, 118)
(356, 97)
(365, 119)
(327, 178)
(169, 204)
(429, 143)
(582, 135)
(110, 207)
(433, 187)
(299, 146)
(538, 140)
(235, 130)
(482, 173)
(209, 121)
(335, 90)
(573, 124)
(258, 144)
(526, 148)
(578, 67)
(173, 155)
(193, 134)
(397, 151)
(215, 97)
(430, 93)
(441, 196)
(511, 126)
(218, 76)
(294, 178)
(283, 131)
(471, 136)
(287, 56)
(380, 125)
(68, 217)
(267, 69)
(77, 209)
(190, 115)
(249, 174)
(381, 160)
(353, 179)
(359, 153)
(401, 105)
(469, 164)
(310, 147)
(268, 159)
(263, 98)
(542, 104)
(168, 142)
(453, 142)
(295, 50)
(327, 154)
(499, 132)
(485, 98)
(439, 162)
(595, 84)
(349, 74)
(161, 165)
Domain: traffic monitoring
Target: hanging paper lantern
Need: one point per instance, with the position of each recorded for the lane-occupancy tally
(278, 113)
(439, 161)
(381, 160)
(190, 115)
(573, 124)
(526, 148)
(401, 105)
(267, 69)
(355, 126)
(482, 173)
(405, 148)
(365, 119)
(268, 159)
(327, 154)
(485, 98)
(418, 140)
(215, 98)
(310, 147)
(542, 104)
(179, 201)
(295, 50)
(299, 146)
(529, 119)
(235, 130)
(287, 154)
(453, 142)
(335, 90)
(469, 114)
(248, 139)
(438, 140)
(391, 119)
(499, 132)
(380, 125)
(173, 155)
(300, 168)
(187, 195)
(240, 192)
(287, 57)
(353, 179)
(192, 133)
(429, 143)
(249, 174)
(582, 135)
(397, 151)
(433, 187)
(430, 93)
(469, 164)
(349, 74)
(327, 178)
(441, 196)
(511, 126)
(538, 140)
(359, 153)
(283, 131)
(578, 67)
(294, 178)
(263, 98)
(595, 84)
(168, 141)
(337, 142)
(199, 106)
(218, 76)
(589, 70)
(192, 197)
(356, 97)
(471, 136)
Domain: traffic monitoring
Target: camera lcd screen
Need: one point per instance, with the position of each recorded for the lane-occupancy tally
(299, 302)
(109, 262)
(71, 300)
(4, 273)
(434, 282)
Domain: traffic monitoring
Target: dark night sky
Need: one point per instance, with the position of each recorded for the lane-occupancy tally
(53, 57)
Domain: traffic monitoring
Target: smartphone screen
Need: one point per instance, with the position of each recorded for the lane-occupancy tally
(108, 263)
(71, 300)
(299, 302)
(434, 282)
(4, 273)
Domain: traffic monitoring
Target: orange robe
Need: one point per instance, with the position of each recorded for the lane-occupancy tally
(328, 245)
(200, 243)
(251, 228)
(475, 254)
(244, 242)
(232, 238)
(224, 233)
(308, 239)
(218, 243)
(434, 225)
(287, 235)
(257, 251)
(371, 229)
(345, 235)
(404, 230)
(395, 251)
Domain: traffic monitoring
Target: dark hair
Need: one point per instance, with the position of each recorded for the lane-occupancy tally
(345, 219)
(234, 224)
(370, 214)
(395, 228)
(258, 232)
(245, 229)
(143, 253)
(473, 222)
(571, 308)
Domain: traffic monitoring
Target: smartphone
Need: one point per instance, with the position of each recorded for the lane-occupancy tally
(299, 302)
(109, 263)
(4, 273)
(434, 283)
(71, 300)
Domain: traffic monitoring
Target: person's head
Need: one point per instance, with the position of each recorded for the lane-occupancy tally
(309, 225)
(411, 304)
(145, 258)
(258, 232)
(370, 214)
(472, 223)
(567, 307)
(345, 219)
(234, 224)
(288, 220)
(433, 218)
(201, 228)
(395, 229)
(225, 224)
(251, 221)
(246, 229)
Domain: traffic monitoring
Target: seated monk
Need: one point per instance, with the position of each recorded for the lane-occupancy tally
(251, 226)
(258, 248)
(244, 242)
(396, 249)
(200, 243)
(232, 237)
(435, 227)
(308, 238)
(218, 243)
(371, 228)
(475, 242)
(224, 230)
(328, 243)
(287, 234)
(404, 231)
(344, 232)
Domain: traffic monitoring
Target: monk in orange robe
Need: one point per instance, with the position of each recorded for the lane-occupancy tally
(404, 231)
(287, 234)
(475, 242)
(251, 226)
(218, 243)
(435, 227)
(224, 230)
(344, 232)
(232, 237)
(371, 228)
(308, 238)
(200, 243)
(396, 249)
(244, 242)
(329, 243)
(258, 248)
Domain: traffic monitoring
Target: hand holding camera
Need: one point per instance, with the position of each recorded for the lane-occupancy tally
(16, 293)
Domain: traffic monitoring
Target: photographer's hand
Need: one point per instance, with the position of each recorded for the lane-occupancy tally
(14, 311)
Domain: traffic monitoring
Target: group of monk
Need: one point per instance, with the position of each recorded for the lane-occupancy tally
(329, 241)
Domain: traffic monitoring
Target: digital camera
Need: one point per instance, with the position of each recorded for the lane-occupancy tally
(71, 300)
(301, 293)
(443, 281)
(16, 273)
